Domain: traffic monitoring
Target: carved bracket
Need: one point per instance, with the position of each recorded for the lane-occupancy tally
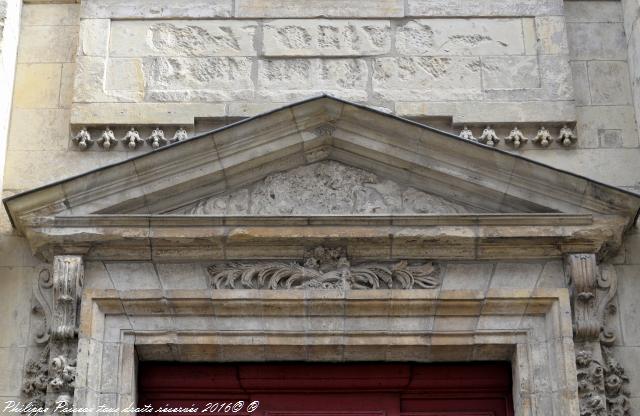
(601, 379)
(49, 379)
(324, 268)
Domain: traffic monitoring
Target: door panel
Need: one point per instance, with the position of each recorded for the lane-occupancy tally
(482, 389)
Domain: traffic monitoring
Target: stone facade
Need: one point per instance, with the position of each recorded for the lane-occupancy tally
(478, 287)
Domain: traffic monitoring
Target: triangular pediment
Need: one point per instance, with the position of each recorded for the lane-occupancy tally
(323, 188)
(326, 156)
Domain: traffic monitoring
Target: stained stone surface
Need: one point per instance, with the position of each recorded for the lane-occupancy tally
(293, 37)
(323, 188)
(172, 61)
(390, 60)
(182, 38)
(461, 37)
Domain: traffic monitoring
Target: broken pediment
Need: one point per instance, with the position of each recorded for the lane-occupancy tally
(323, 188)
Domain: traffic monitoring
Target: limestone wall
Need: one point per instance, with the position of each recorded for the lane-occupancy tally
(150, 63)
(507, 62)
(607, 148)
(9, 25)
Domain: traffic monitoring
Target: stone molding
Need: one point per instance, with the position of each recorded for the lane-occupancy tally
(50, 379)
(532, 330)
(602, 383)
(368, 237)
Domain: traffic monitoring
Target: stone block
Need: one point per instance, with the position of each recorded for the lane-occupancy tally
(16, 252)
(473, 112)
(49, 14)
(630, 10)
(318, 8)
(182, 276)
(11, 362)
(632, 246)
(593, 12)
(66, 85)
(634, 69)
(110, 361)
(555, 83)
(516, 275)
(96, 276)
(41, 44)
(197, 79)
(288, 79)
(589, 41)
(184, 38)
(89, 80)
(628, 289)
(460, 37)
(37, 85)
(510, 72)
(129, 9)
(594, 121)
(580, 82)
(470, 276)
(609, 82)
(610, 138)
(239, 109)
(552, 275)
(39, 129)
(607, 165)
(552, 35)
(484, 8)
(144, 113)
(126, 276)
(124, 74)
(15, 298)
(326, 37)
(94, 37)
(439, 78)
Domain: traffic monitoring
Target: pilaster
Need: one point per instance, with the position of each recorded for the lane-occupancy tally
(601, 379)
(49, 380)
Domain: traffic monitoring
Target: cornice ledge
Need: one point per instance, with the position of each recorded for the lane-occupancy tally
(438, 237)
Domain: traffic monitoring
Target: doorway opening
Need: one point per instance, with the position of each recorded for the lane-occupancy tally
(336, 389)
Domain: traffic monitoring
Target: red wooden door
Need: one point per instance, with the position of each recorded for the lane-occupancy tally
(482, 389)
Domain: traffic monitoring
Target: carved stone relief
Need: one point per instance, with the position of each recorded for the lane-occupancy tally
(601, 379)
(325, 187)
(324, 268)
(516, 138)
(50, 378)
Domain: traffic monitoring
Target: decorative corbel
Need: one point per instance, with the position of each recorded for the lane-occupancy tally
(49, 380)
(601, 379)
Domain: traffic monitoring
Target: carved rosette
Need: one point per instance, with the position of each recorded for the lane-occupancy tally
(601, 379)
(324, 268)
(50, 378)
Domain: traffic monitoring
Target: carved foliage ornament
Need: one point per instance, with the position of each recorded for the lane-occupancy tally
(324, 268)
(50, 379)
(601, 379)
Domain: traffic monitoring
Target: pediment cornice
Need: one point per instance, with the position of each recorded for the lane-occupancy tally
(481, 178)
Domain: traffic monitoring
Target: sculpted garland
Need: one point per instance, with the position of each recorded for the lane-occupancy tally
(324, 268)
